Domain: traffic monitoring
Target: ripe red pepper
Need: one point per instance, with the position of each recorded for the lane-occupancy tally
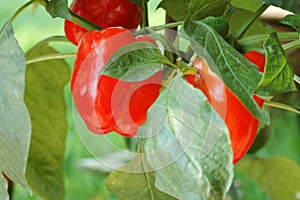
(104, 13)
(242, 125)
(107, 104)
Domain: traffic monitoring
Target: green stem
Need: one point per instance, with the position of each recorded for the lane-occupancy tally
(145, 19)
(260, 38)
(26, 5)
(291, 45)
(83, 22)
(281, 106)
(297, 79)
(51, 57)
(168, 62)
(239, 34)
(158, 28)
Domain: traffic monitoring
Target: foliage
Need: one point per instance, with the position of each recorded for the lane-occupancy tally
(183, 150)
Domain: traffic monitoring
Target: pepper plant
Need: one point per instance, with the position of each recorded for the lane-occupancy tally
(198, 100)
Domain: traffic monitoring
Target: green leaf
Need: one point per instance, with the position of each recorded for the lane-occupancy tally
(236, 17)
(290, 5)
(44, 96)
(293, 21)
(279, 71)
(279, 177)
(187, 144)
(251, 5)
(238, 74)
(135, 180)
(135, 62)
(58, 8)
(199, 9)
(177, 9)
(3, 188)
(15, 127)
(218, 23)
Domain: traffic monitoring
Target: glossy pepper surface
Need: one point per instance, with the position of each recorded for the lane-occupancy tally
(104, 13)
(242, 125)
(107, 104)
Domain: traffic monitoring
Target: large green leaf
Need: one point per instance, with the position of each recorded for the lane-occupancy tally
(279, 177)
(187, 144)
(291, 5)
(15, 127)
(58, 8)
(293, 21)
(177, 9)
(279, 71)
(44, 97)
(199, 9)
(3, 188)
(239, 75)
(135, 180)
(135, 62)
(236, 17)
(251, 5)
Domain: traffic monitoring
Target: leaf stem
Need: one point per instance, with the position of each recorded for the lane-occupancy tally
(239, 34)
(291, 45)
(50, 57)
(26, 5)
(260, 38)
(145, 19)
(281, 106)
(297, 79)
(83, 22)
(158, 28)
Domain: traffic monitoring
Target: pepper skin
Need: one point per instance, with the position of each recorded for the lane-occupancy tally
(242, 125)
(107, 104)
(104, 13)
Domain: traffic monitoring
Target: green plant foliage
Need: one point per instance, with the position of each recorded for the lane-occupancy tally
(279, 177)
(135, 181)
(177, 9)
(135, 62)
(58, 8)
(279, 71)
(44, 97)
(15, 127)
(251, 5)
(3, 188)
(291, 5)
(187, 144)
(200, 9)
(236, 17)
(239, 75)
(293, 21)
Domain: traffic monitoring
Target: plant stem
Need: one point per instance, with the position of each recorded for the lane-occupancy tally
(145, 19)
(83, 22)
(281, 106)
(291, 45)
(297, 79)
(259, 39)
(158, 28)
(51, 57)
(239, 34)
(26, 5)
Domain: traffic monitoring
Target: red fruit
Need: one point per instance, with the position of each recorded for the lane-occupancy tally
(242, 125)
(104, 13)
(107, 104)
